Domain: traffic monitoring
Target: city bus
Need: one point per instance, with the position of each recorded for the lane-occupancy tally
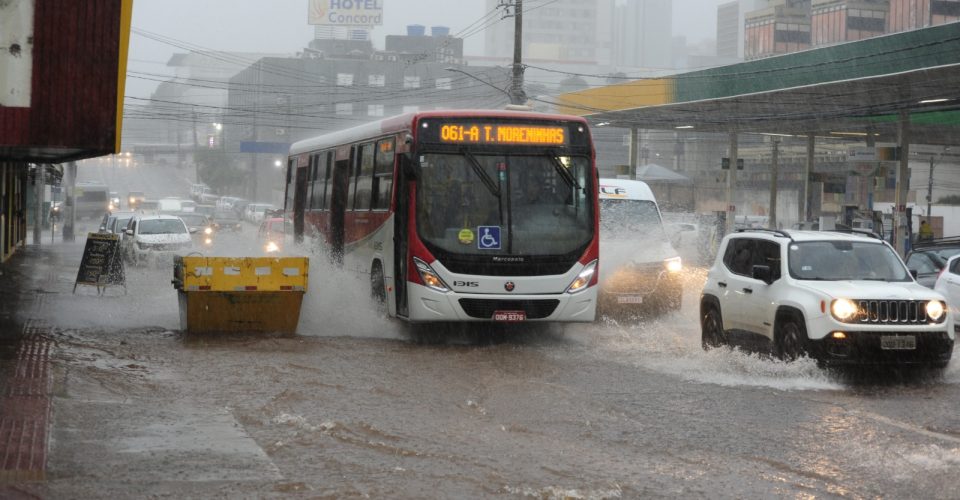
(461, 215)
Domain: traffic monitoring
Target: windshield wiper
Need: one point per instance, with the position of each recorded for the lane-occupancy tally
(478, 169)
(564, 173)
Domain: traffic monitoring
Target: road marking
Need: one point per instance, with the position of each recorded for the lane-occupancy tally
(906, 426)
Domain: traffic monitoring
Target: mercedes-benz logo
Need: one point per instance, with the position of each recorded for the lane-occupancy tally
(509, 286)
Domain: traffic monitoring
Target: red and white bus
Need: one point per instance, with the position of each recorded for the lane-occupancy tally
(457, 215)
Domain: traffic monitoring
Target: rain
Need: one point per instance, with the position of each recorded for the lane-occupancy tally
(492, 249)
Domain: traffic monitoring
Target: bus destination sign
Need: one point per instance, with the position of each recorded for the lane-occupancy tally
(502, 133)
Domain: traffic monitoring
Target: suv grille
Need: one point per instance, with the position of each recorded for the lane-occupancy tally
(484, 308)
(904, 312)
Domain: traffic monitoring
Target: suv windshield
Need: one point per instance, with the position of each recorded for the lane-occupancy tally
(845, 260)
(537, 204)
(626, 219)
(162, 226)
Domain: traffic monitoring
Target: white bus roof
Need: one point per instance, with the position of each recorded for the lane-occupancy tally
(625, 189)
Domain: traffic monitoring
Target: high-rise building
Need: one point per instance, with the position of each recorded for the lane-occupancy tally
(913, 14)
(567, 31)
(838, 21)
(731, 17)
(780, 28)
(644, 34)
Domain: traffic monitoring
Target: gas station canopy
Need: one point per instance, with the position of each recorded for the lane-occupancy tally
(843, 90)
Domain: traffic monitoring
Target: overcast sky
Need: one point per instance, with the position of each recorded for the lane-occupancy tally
(280, 26)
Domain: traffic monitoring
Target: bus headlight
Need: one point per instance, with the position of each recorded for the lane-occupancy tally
(583, 279)
(430, 277)
(673, 264)
(272, 247)
(843, 309)
(935, 310)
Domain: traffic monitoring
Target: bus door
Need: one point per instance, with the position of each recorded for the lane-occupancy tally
(401, 243)
(338, 203)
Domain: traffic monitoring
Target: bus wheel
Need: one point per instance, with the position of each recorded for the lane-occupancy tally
(377, 289)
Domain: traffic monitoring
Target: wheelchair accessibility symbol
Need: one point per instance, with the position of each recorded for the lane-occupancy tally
(489, 237)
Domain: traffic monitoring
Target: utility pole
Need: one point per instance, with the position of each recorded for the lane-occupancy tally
(930, 191)
(774, 173)
(38, 203)
(196, 164)
(517, 95)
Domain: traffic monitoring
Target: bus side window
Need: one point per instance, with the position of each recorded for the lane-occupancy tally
(352, 180)
(383, 175)
(365, 177)
(326, 179)
(318, 180)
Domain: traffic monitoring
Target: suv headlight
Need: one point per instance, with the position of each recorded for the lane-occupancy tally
(935, 310)
(430, 277)
(673, 264)
(583, 279)
(843, 309)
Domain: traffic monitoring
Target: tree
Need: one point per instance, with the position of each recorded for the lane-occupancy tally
(953, 199)
(218, 171)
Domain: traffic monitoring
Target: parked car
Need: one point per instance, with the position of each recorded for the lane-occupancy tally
(155, 238)
(840, 298)
(948, 284)
(928, 258)
(118, 222)
(227, 221)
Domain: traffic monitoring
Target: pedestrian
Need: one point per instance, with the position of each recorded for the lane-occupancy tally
(925, 233)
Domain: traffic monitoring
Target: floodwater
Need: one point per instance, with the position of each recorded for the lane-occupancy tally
(355, 405)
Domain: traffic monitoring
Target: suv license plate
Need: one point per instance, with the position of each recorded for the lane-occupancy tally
(630, 299)
(898, 342)
(509, 316)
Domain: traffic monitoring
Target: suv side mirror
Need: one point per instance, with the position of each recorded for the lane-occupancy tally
(914, 273)
(762, 273)
(129, 231)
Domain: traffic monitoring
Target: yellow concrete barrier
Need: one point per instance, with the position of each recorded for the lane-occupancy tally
(240, 294)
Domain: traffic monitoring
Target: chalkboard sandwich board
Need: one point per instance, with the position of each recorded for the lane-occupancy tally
(101, 264)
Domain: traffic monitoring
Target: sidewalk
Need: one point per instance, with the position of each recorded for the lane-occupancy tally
(25, 344)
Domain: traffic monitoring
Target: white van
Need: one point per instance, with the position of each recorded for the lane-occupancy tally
(640, 268)
(168, 205)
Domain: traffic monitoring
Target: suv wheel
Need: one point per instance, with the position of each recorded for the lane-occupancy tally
(790, 339)
(711, 330)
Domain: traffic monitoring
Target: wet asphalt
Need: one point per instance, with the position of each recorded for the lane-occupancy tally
(355, 405)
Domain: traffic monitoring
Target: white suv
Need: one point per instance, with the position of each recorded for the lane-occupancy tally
(839, 298)
(156, 237)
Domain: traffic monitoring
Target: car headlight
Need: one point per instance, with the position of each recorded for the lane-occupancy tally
(208, 230)
(673, 264)
(843, 309)
(430, 277)
(583, 279)
(208, 241)
(935, 310)
(272, 247)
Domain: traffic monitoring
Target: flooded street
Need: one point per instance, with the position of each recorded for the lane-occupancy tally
(356, 405)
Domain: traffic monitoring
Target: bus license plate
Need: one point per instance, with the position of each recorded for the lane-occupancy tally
(898, 342)
(630, 299)
(509, 316)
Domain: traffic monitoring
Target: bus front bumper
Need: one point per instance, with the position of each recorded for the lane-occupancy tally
(427, 305)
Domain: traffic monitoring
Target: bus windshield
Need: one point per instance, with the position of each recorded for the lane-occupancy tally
(475, 203)
(630, 219)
